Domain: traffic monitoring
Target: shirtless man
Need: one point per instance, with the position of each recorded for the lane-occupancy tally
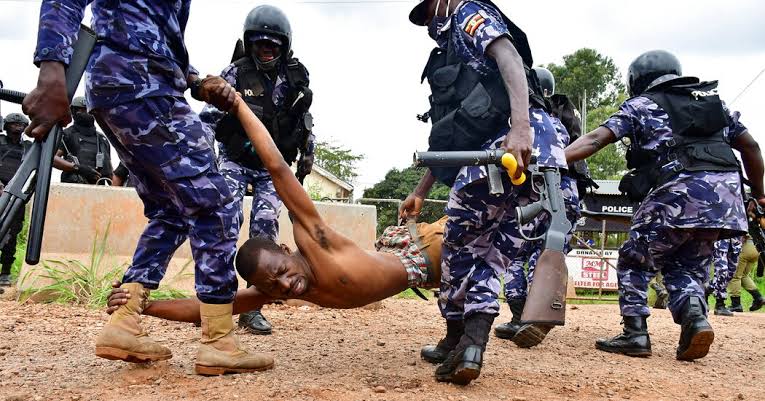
(328, 269)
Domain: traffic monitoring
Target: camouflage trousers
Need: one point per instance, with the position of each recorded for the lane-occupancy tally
(474, 236)
(517, 279)
(682, 256)
(266, 204)
(726, 254)
(170, 155)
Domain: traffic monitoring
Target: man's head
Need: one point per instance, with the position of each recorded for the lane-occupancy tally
(267, 36)
(273, 269)
(422, 14)
(651, 68)
(80, 115)
(15, 124)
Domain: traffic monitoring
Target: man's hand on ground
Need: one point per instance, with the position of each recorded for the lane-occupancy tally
(118, 297)
(216, 91)
(47, 105)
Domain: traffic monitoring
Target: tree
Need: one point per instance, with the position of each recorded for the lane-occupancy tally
(337, 160)
(396, 185)
(609, 163)
(586, 69)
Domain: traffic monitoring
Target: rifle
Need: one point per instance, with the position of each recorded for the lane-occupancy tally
(33, 176)
(757, 233)
(546, 302)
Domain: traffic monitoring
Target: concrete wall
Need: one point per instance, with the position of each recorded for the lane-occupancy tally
(76, 213)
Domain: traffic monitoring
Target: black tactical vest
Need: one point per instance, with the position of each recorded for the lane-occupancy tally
(289, 126)
(10, 158)
(698, 121)
(84, 143)
(466, 108)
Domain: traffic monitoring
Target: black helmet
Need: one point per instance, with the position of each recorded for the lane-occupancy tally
(546, 81)
(650, 66)
(418, 14)
(16, 118)
(271, 21)
(79, 101)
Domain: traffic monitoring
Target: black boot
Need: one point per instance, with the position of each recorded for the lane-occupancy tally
(5, 276)
(720, 308)
(757, 301)
(735, 304)
(437, 353)
(463, 364)
(696, 334)
(508, 330)
(634, 341)
(255, 323)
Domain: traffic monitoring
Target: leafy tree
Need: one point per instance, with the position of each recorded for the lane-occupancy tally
(337, 160)
(586, 69)
(396, 185)
(609, 163)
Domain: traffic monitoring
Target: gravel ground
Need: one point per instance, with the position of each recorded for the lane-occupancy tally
(46, 353)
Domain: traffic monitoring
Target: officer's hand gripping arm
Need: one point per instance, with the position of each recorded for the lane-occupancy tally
(519, 140)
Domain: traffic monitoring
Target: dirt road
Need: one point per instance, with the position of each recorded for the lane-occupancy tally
(46, 353)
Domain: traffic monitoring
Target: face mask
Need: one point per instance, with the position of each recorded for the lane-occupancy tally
(438, 21)
(263, 65)
(84, 119)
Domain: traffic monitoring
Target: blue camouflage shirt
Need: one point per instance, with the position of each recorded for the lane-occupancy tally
(472, 27)
(690, 199)
(140, 52)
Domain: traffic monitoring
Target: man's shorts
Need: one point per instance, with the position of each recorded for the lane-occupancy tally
(418, 246)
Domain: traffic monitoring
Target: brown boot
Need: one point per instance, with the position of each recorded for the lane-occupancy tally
(220, 351)
(123, 337)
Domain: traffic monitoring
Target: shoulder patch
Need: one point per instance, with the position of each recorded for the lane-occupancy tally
(474, 22)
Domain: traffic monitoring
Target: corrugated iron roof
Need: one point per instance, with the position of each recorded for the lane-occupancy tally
(607, 187)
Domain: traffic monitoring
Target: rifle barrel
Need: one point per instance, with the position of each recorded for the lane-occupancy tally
(12, 96)
(458, 158)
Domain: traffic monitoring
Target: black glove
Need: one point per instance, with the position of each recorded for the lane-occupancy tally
(305, 165)
(88, 173)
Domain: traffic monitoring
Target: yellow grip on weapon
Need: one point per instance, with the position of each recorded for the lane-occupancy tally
(508, 160)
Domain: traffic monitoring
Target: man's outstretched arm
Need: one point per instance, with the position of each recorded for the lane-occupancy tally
(293, 195)
(588, 145)
(187, 310)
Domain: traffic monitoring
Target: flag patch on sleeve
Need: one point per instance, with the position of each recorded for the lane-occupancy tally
(474, 23)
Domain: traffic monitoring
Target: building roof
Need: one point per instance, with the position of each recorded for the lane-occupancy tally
(326, 174)
(607, 187)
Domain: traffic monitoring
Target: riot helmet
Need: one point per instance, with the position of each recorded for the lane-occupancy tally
(650, 69)
(268, 27)
(546, 81)
(15, 118)
(80, 115)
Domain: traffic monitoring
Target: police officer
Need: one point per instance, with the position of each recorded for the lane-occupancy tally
(480, 63)
(12, 151)
(137, 75)
(724, 261)
(86, 147)
(516, 278)
(685, 172)
(741, 278)
(275, 86)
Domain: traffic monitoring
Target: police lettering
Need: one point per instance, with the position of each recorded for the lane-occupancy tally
(617, 209)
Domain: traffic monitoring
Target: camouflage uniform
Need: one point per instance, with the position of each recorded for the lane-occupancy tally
(516, 282)
(134, 84)
(676, 225)
(476, 238)
(726, 255)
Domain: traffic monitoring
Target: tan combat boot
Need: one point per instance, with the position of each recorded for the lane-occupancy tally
(220, 351)
(123, 338)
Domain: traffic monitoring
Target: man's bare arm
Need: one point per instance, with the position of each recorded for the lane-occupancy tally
(293, 195)
(588, 145)
(752, 160)
(187, 310)
(520, 139)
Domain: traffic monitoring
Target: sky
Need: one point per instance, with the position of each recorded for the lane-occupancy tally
(365, 58)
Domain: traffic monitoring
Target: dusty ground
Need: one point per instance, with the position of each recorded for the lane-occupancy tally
(46, 352)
